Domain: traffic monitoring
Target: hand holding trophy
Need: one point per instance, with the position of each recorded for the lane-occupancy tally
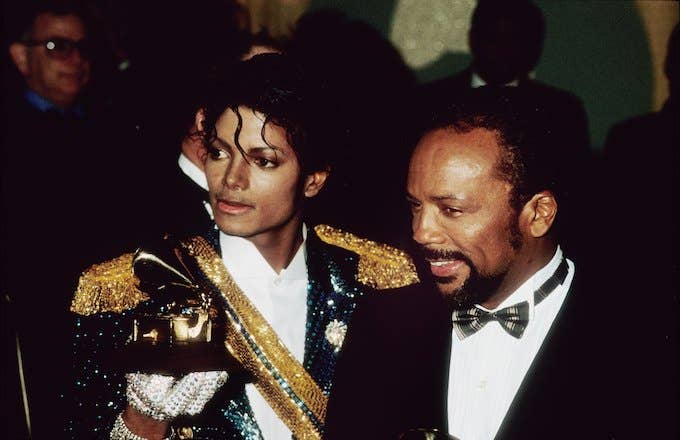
(165, 397)
(176, 359)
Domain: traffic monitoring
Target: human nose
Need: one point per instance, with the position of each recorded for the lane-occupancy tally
(236, 175)
(426, 229)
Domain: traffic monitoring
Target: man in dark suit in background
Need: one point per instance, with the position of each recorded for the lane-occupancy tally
(505, 350)
(506, 41)
(64, 204)
(642, 168)
(45, 135)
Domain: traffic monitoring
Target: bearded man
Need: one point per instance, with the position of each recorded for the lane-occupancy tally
(501, 346)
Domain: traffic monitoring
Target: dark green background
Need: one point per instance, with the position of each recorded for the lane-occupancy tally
(595, 49)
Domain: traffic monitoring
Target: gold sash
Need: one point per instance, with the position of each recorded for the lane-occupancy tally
(288, 388)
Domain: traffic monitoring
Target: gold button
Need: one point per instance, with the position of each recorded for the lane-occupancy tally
(185, 432)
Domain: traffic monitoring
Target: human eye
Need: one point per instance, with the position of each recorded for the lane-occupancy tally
(216, 153)
(451, 211)
(264, 161)
(413, 204)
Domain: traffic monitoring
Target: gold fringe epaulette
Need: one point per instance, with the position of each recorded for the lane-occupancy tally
(380, 266)
(108, 287)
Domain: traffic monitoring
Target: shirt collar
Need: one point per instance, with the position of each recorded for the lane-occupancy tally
(45, 105)
(243, 260)
(525, 292)
(477, 81)
(192, 171)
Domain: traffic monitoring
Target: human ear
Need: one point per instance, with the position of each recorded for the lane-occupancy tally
(314, 182)
(19, 54)
(540, 212)
(199, 120)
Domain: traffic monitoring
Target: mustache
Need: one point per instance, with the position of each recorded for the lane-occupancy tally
(443, 254)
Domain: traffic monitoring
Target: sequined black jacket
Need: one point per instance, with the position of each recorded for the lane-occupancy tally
(335, 261)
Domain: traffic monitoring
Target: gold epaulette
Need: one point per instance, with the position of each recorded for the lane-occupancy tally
(108, 287)
(380, 266)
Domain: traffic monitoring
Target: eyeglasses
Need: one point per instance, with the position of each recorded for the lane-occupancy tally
(62, 48)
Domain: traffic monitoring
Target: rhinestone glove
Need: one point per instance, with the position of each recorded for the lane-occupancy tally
(164, 397)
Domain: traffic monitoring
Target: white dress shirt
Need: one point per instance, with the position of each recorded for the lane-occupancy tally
(281, 299)
(477, 81)
(192, 171)
(488, 366)
(196, 174)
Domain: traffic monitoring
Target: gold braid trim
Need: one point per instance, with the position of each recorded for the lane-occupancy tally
(380, 266)
(108, 287)
(272, 349)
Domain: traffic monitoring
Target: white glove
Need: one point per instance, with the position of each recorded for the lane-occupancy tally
(164, 397)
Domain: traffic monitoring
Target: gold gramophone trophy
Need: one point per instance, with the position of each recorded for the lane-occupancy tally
(179, 329)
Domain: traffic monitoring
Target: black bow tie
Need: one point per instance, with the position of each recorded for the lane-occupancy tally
(513, 319)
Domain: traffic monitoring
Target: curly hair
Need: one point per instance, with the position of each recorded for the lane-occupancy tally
(274, 85)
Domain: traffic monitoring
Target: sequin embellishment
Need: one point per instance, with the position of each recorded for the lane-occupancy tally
(108, 287)
(380, 266)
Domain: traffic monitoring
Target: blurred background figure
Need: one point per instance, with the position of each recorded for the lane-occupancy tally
(165, 53)
(368, 120)
(48, 136)
(53, 57)
(87, 151)
(641, 192)
(261, 42)
(506, 42)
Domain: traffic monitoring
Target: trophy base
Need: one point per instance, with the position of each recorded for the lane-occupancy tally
(178, 359)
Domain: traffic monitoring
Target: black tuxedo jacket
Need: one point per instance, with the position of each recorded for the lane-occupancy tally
(393, 373)
(187, 198)
(172, 203)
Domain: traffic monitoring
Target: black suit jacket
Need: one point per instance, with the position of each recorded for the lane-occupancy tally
(642, 158)
(170, 202)
(393, 373)
(393, 369)
(187, 198)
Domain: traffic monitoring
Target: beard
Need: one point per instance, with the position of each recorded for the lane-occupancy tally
(476, 289)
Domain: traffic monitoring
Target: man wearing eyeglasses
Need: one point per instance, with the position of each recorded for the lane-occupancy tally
(52, 58)
(48, 184)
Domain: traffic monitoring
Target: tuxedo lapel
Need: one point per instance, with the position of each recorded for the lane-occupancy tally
(538, 385)
(558, 396)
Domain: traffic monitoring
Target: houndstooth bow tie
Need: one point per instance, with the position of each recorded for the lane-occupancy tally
(513, 319)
